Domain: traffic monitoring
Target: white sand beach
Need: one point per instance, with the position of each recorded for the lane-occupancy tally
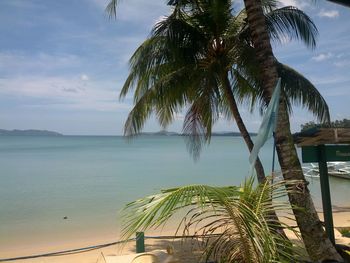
(188, 251)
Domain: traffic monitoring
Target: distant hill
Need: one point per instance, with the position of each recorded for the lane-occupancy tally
(344, 123)
(28, 133)
(166, 133)
(231, 134)
(160, 133)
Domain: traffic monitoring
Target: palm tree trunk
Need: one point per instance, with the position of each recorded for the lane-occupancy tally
(242, 128)
(316, 242)
(246, 136)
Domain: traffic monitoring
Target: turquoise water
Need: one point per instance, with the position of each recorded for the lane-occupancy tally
(89, 179)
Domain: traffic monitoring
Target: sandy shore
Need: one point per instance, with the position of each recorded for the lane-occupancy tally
(188, 251)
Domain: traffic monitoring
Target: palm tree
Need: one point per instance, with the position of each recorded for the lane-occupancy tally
(201, 56)
(317, 244)
(160, 85)
(235, 217)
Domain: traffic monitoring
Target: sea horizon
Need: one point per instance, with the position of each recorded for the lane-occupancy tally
(41, 132)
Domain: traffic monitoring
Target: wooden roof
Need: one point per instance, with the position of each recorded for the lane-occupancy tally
(319, 136)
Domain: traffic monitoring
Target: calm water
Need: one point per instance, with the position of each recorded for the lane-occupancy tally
(89, 179)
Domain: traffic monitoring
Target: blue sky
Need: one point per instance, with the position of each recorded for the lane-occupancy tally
(62, 63)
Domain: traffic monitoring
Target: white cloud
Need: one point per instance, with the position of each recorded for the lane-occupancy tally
(61, 79)
(24, 4)
(341, 55)
(25, 64)
(296, 3)
(84, 77)
(342, 63)
(73, 90)
(322, 57)
(288, 2)
(63, 92)
(332, 85)
(328, 13)
(142, 12)
(101, 3)
(341, 91)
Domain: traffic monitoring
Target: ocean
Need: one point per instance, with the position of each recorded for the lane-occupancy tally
(89, 179)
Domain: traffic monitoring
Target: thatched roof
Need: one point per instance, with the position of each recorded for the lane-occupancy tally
(319, 136)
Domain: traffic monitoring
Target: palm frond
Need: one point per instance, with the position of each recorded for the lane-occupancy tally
(194, 131)
(111, 8)
(139, 114)
(246, 89)
(291, 23)
(300, 91)
(183, 61)
(155, 210)
(240, 215)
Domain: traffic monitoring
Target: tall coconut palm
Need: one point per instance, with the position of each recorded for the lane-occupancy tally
(317, 244)
(201, 56)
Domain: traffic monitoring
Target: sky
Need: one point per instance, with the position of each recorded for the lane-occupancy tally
(63, 63)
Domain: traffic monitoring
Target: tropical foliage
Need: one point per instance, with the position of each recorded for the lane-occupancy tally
(344, 123)
(200, 58)
(203, 58)
(239, 216)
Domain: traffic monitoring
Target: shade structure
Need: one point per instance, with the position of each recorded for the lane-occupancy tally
(321, 136)
(322, 145)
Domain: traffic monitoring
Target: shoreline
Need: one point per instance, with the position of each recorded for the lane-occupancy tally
(341, 219)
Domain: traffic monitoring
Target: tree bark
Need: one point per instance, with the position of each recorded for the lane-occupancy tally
(316, 242)
(242, 128)
(245, 134)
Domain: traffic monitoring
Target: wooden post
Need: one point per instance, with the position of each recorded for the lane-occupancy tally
(140, 242)
(326, 196)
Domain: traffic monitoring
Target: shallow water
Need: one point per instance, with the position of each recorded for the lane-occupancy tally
(90, 178)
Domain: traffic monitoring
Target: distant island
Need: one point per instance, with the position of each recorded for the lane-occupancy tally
(166, 133)
(344, 123)
(33, 132)
(231, 134)
(28, 133)
(160, 133)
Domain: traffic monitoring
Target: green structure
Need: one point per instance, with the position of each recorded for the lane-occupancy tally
(140, 242)
(325, 145)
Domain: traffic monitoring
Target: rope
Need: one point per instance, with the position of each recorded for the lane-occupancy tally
(90, 248)
(68, 252)
(181, 237)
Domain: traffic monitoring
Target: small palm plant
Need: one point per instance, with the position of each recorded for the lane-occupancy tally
(238, 219)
